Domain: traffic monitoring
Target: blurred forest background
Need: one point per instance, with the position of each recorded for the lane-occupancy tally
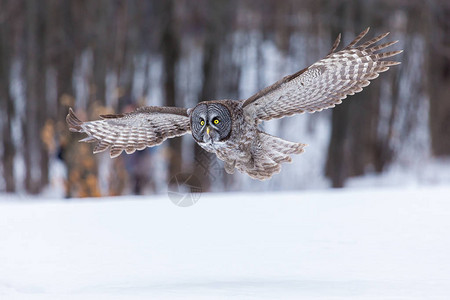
(112, 56)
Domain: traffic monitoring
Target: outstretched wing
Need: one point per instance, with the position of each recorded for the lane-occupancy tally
(145, 127)
(325, 83)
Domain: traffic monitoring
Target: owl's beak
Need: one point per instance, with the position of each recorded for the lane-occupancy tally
(207, 130)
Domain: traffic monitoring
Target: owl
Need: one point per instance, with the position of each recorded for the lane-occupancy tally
(231, 128)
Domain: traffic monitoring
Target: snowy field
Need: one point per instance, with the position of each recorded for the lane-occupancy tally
(345, 244)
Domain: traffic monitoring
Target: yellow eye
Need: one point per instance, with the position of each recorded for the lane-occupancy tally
(202, 122)
(216, 121)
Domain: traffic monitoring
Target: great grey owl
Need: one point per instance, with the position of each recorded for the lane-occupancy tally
(230, 128)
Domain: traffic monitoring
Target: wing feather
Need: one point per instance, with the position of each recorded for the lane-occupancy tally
(325, 83)
(145, 127)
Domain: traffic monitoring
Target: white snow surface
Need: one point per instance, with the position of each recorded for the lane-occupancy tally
(339, 244)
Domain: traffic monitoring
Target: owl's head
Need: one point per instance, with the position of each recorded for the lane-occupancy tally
(210, 123)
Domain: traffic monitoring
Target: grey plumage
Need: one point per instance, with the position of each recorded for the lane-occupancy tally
(229, 128)
(325, 83)
(145, 127)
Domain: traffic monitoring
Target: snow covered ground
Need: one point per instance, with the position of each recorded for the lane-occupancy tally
(344, 244)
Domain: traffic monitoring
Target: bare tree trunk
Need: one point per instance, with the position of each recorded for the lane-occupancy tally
(439, 78)
(171, 50)
(53, 34)
(36, 156)
(103, 39)
(354, 143)
(65, 47)
(6, 106)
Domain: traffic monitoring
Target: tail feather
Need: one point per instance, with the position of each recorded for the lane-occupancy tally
(276, 147)
(271, 153)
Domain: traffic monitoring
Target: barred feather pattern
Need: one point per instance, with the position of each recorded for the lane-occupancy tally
(269, 153)
(145, 127)
(246, 148)
(325, 83)
(250, 150)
